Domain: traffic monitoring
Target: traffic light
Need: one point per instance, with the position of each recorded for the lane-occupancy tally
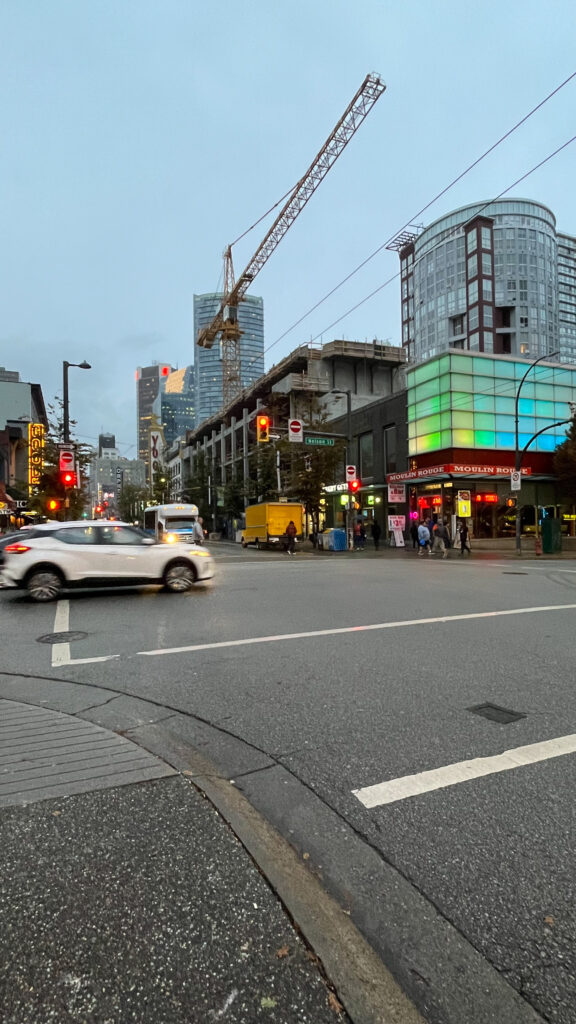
(53, 504)
(263, 428)
(511, 502)
(68, 478)
(354, 486)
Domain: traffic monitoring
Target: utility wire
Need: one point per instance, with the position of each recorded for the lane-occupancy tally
(457, 229)
(415, 216)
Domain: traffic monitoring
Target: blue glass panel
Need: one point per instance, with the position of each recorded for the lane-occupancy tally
(504, 440)
(526, 406)
(483, 367)
(504, 404)
(526, 425)
(484, 421)
(523, 439)
(545, 409)
(547, 442)
(484, 403)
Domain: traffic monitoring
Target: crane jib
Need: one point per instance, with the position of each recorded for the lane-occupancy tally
(358, 108)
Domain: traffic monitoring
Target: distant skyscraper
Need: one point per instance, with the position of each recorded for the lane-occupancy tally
(208, 361)
(174, 406)
(150, 383)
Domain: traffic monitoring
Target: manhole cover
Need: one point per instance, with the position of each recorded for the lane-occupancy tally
(510, 572)
(61, 638)
(496, 714)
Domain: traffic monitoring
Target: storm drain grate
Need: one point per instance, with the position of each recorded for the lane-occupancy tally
(496, 714)
(61, 638)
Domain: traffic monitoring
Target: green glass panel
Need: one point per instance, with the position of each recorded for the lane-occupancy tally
(463, 438)
(461, 363)
(430, 442)
(445, 400)
(462, 382)
(484, 403)
(485, 438)
(506, 405)
(463, 420)
(428, 424)
(547, 409)
(484, 421)
(446, 439)
(483, 367)
(445, 420)
(412, 430)
(506, 370)
(426, 389)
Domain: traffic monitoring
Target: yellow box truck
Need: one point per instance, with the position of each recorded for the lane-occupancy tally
(266, 523)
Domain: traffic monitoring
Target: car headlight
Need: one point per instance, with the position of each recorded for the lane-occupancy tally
(170, 538)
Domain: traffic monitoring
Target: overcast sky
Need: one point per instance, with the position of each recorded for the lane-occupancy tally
(140, 137)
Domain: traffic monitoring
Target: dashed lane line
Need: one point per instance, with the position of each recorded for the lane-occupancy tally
(61, 652)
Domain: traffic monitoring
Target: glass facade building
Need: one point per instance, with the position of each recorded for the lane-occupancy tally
(208, 362)
(491, 277)
(174, 405)
(468, 402)
(150, 383)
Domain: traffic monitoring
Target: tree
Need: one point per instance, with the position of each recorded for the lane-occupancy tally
(565, 464)
(197, 486)
(131, 501)
(310, 470)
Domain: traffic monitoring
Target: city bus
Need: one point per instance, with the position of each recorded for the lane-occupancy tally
(171, 522)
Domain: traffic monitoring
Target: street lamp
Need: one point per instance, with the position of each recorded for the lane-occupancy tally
(65, 406)
(517, 454)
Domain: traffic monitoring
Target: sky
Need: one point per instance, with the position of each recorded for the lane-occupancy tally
(141, 137)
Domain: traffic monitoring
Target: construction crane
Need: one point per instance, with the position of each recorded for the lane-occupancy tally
(225, 322)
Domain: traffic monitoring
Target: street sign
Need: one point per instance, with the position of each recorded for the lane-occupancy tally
(327, 441)
(296, 430)
(515, 480)
(274, 437)
(350, 472)
(66, 459)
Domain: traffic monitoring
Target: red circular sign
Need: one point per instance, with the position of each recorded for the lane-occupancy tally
(66, 458)
(295, 427)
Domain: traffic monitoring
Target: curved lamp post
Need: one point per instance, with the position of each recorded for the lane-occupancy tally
(65, 406)
(517, 454)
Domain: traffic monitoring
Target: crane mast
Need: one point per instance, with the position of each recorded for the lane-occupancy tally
(225, 321)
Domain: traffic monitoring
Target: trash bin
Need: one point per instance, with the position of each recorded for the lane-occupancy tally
(551, 536)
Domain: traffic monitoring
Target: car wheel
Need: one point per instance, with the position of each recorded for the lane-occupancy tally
(44, 585)
(179, 576)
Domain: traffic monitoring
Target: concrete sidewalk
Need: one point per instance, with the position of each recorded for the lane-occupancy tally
(126, 897)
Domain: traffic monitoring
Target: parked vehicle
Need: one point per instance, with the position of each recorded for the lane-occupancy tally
(171, 523)
(56, 556)
(266, 523)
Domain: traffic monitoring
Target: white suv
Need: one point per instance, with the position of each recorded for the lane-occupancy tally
(48, 558)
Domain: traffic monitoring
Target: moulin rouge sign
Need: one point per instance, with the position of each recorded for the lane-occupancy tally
(466, 469)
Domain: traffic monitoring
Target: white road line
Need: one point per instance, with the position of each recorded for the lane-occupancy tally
(463, 771)
(355, 629)
(61, 652)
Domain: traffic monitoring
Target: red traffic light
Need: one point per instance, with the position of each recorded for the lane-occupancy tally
(353, 486)
(53, 504)
(263, 428)
(68, 478)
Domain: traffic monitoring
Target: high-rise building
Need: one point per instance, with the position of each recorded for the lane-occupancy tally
(174, 405)
(150, 383)
(493, 277)
(208, 361)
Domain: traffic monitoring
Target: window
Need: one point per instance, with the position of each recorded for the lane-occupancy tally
(486, 263)
(488, 317)
(366, 446)
(119, 535)
(473, 265)
(486, 241)
(75, 535)
(390, 453)
(473, 318)
(487, 289)
(471, 241)
(473, 292)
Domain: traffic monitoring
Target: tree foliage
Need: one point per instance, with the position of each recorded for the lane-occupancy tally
(565, 464)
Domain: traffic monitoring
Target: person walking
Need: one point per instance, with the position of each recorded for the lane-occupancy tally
(414, 534)
(291, 532)
(198, 532)
(464, 539)
(376, 534)
(424, 538)
(441, 538)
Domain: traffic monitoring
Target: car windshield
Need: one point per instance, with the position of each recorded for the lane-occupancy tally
(179, 524)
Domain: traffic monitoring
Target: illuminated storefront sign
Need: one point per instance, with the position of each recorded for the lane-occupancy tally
(453, 470)
(35, 453)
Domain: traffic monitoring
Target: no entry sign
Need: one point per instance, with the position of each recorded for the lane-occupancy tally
(296, 430)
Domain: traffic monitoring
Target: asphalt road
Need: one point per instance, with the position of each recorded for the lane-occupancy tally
(312, 680)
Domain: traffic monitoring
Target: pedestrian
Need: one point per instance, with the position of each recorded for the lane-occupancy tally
(441, 538)
(464, 538)
(198, 532)
(362, 535)
(357, 535)
(424, 538)
(414, 533)
(291, 532)
(376, 534)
